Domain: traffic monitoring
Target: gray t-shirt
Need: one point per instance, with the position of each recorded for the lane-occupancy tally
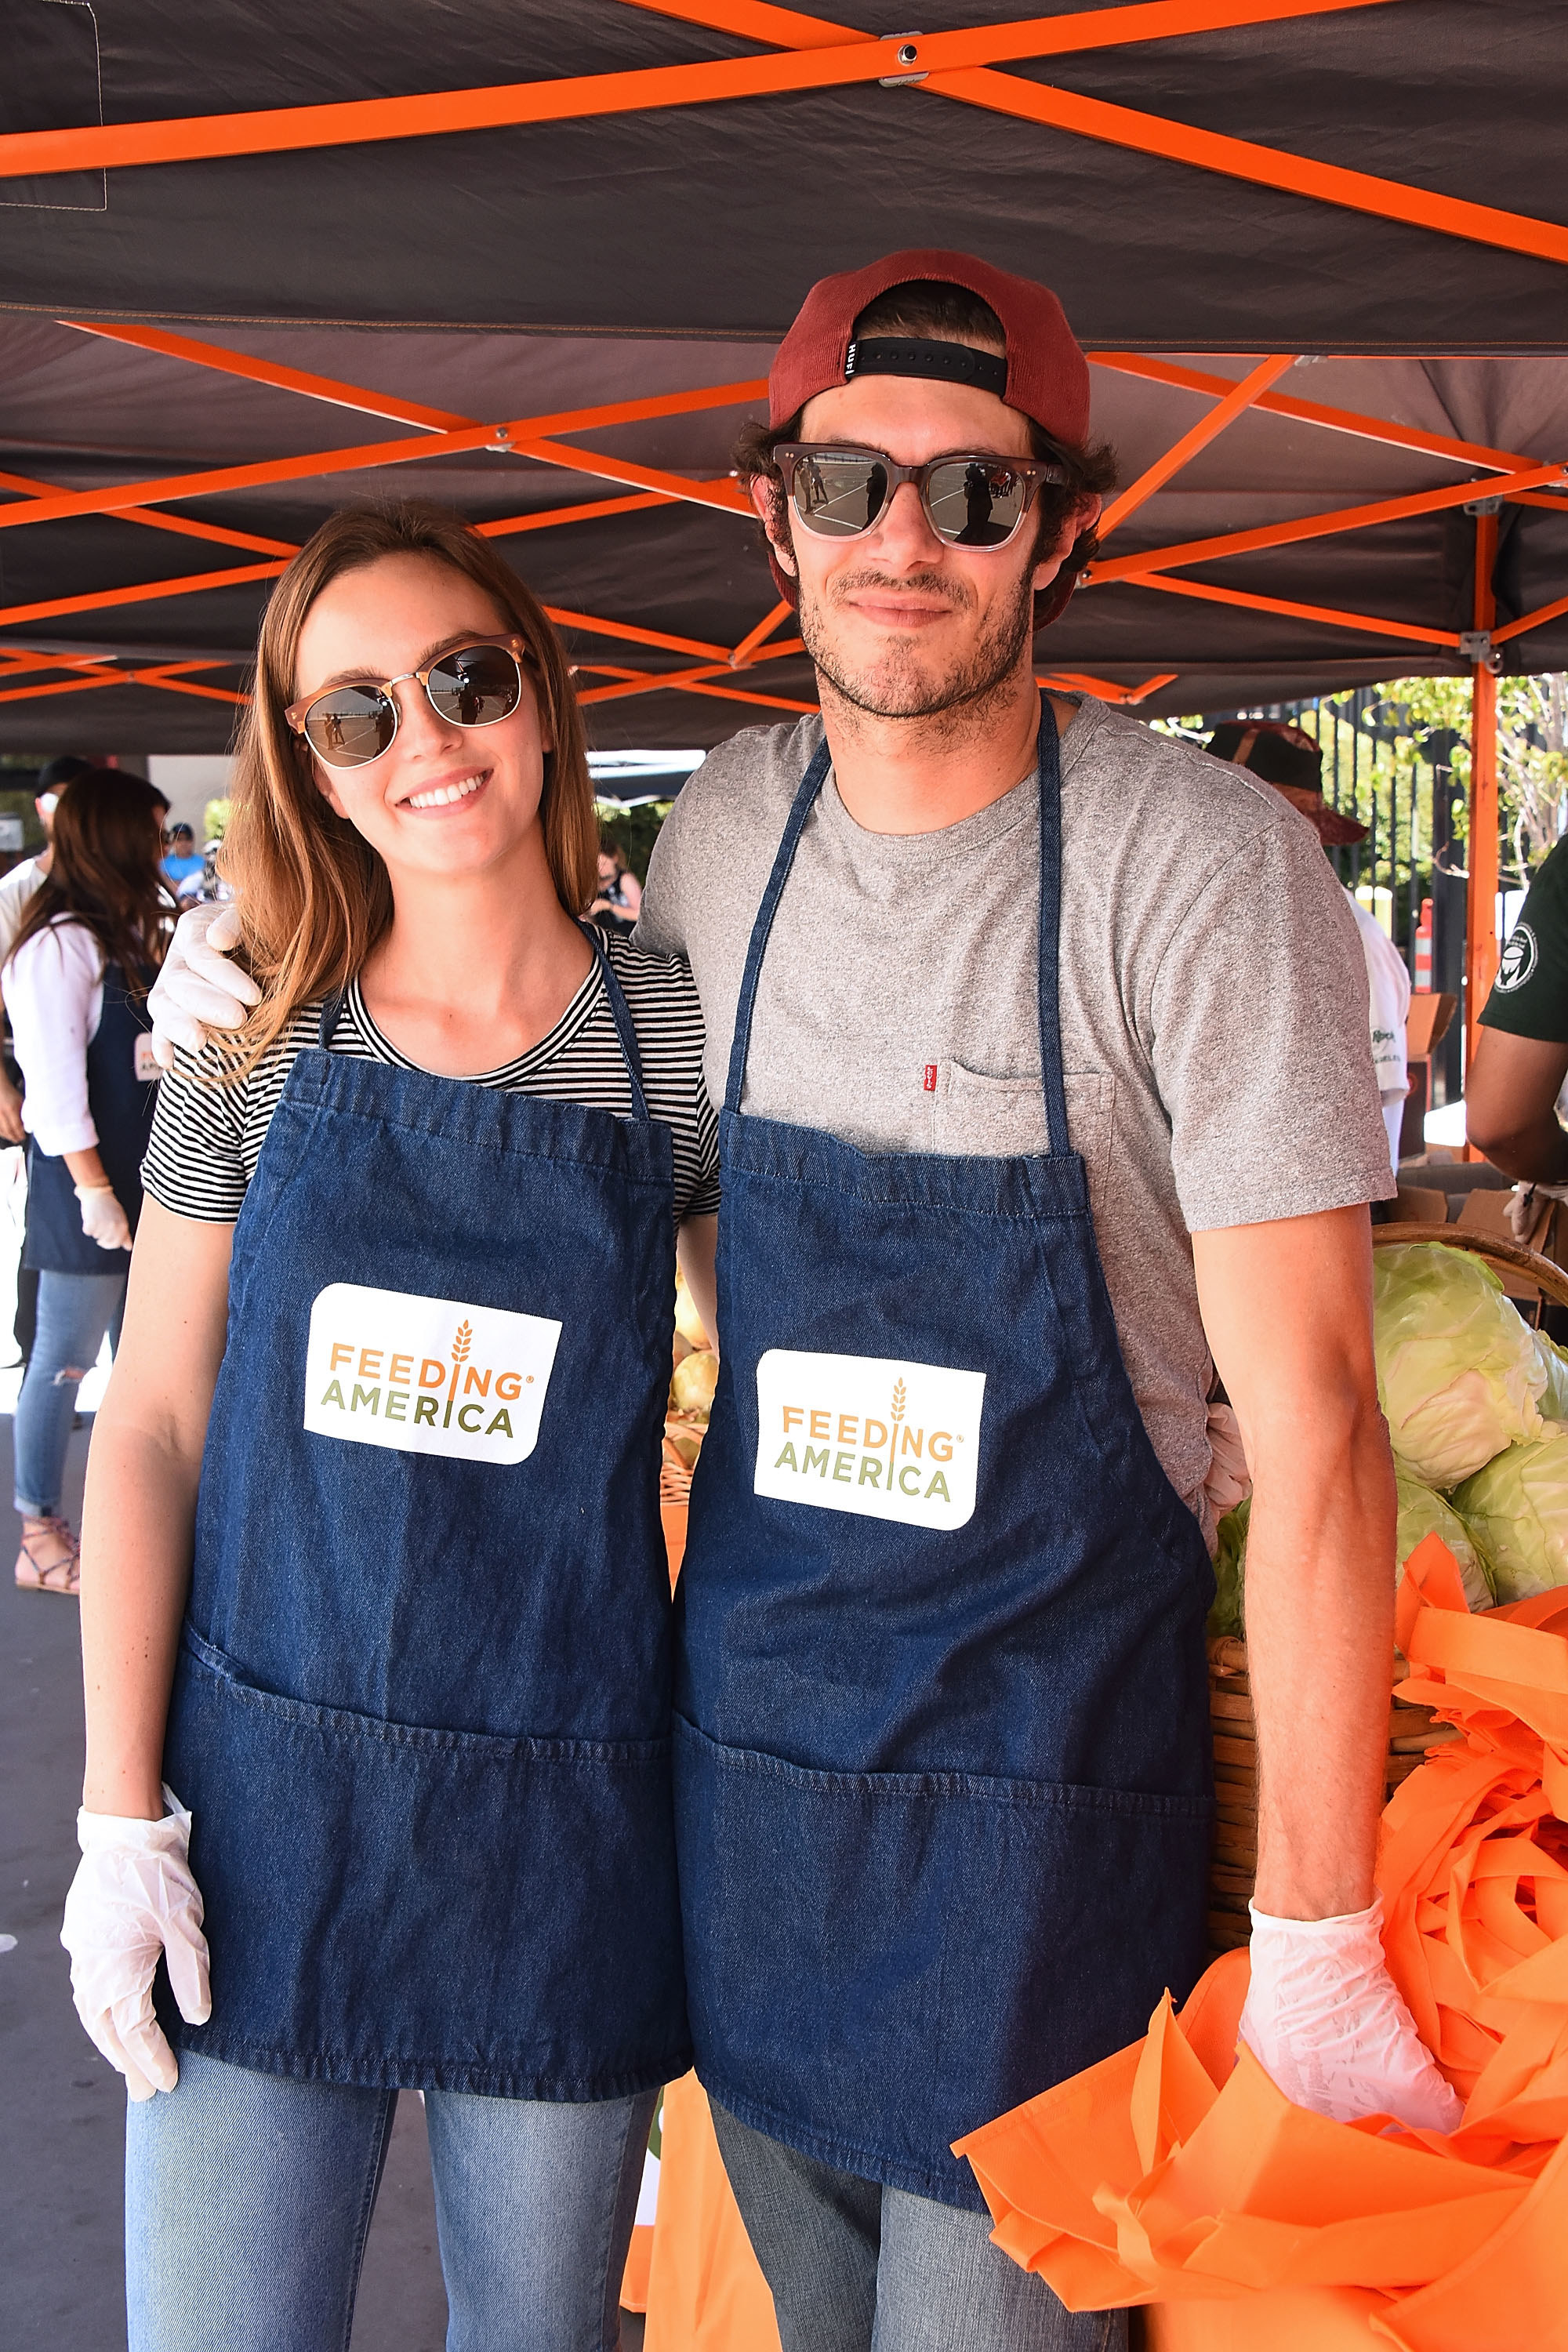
(1213, 1002)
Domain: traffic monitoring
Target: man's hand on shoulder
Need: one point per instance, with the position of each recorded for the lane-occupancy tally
(198, 989)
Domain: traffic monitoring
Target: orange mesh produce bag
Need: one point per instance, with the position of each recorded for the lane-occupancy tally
(1174, 2174)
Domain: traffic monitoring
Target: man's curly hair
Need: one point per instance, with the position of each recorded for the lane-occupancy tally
(928, 309)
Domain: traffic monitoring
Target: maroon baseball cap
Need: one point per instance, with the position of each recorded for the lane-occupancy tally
(1044, 374)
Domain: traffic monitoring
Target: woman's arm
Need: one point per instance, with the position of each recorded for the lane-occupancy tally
(139, 1517)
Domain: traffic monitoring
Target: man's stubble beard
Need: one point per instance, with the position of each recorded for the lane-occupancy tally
(902, 687)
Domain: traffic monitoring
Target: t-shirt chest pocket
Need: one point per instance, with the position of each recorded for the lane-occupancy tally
(990, 1118)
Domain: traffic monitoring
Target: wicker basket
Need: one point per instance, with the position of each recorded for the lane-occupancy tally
(1413, 1731)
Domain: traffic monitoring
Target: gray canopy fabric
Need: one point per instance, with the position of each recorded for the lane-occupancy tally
(537, 269)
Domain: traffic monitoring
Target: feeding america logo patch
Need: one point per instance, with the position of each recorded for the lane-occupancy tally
(1519, 958)
(868, 1435)
(427, 1375)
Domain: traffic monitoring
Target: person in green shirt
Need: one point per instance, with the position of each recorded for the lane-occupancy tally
(1521, 1061)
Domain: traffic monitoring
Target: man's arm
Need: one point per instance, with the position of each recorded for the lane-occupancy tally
(1510, 1106)
(1287, 1311)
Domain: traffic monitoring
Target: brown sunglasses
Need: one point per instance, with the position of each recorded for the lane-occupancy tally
(971, 499)
(475, 685)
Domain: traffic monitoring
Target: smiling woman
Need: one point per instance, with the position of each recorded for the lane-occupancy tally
(306, 847)
(356, 1579)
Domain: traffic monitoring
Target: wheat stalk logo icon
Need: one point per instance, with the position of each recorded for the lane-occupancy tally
(899, 1400)
(460, 1347)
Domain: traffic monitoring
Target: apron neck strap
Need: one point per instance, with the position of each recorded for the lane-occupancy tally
(621, 1013)
(1050, 784)
(1050, 768)
(811, 784)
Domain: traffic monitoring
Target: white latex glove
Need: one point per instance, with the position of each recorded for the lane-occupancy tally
(1524, 1208)
(1229, 1480)
(103, 1220)
(1325, 2020)
(198, 989)
(134, 1898)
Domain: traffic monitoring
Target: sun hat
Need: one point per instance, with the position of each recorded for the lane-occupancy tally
(1287, 758)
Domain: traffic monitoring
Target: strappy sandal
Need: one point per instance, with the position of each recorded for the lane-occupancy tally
(61, 1576)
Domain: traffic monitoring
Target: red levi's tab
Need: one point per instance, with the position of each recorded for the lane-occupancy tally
(930, 1078)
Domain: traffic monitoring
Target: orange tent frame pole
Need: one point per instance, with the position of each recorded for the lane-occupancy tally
(224, 362)
(572, 98)
(741, 656)
(1319, 526)
(183, 525)
(60, 505)
(1481, 896)
(103, 599)
(1208, 428)
(638, 636)
(1536, 620)
(1311, 412)
(974, 84)
(1105, 688)
(683, 682)
(551, 517)
(1207, 592)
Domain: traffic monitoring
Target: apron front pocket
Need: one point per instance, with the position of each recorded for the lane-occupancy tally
(885, 1960)
(398, 1907)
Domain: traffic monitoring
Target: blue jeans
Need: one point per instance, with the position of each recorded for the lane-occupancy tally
(856, 2267)
(248, 2197)
(75, 1310)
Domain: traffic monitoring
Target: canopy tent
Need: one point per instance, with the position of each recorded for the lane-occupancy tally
(534, 262)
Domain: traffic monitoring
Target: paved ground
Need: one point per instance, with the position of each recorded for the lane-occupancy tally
(63, 2108)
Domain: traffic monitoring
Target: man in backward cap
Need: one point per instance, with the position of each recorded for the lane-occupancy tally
(995, 984)
(998, 985)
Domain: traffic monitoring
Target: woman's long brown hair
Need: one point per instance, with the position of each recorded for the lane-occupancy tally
(314, 897)
(105, 871)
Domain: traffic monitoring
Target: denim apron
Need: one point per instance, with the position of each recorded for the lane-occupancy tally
(421, 1709)
(122, 1095)
(942, 1778)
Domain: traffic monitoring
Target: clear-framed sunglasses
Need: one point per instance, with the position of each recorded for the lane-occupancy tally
(475, 685)
(972, 498)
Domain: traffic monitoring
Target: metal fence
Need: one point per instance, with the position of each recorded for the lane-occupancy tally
(1410, 870)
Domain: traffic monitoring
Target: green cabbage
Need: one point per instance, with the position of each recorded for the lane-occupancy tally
(1516, 1509)
(1553, 1363)
(1229, 1570)
(1424, 1512)
(1457, 1374)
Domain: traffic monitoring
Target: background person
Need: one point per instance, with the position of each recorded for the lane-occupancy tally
(182, 863)
(619, 893)
(17, 888)
(75, 988)
(402, 1303)
(1512, 1087)
(1287, 758)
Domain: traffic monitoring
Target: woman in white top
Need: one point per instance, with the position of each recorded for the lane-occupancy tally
(76, 988)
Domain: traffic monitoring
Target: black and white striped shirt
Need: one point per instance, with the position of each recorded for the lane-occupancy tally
(207, 1138)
